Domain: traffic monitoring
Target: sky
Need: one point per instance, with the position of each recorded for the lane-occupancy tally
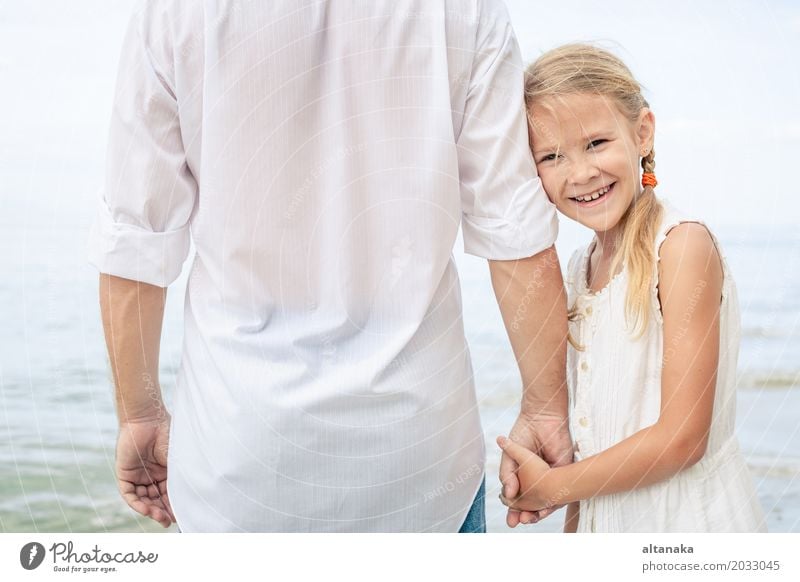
(722, 79)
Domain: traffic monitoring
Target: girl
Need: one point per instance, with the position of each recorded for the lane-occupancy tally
(654, 323)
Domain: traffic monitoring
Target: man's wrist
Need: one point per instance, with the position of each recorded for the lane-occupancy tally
(140, 401)
(546, 408)
(541, 414)
(151, 412)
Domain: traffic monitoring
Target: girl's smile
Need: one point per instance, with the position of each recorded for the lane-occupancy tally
(593, 198)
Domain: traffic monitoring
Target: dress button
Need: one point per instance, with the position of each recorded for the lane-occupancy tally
(584, 422)
(588, 310)
(584, 366)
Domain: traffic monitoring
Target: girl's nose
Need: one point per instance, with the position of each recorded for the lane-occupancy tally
(583, 171)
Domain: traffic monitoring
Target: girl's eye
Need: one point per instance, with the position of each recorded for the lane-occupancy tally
(597, 142)
(549, 158)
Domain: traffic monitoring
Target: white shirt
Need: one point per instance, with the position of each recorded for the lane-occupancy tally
(322, 156)
(615, 391)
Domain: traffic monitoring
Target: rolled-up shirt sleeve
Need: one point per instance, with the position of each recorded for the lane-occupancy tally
(505, 212)
(141, 226)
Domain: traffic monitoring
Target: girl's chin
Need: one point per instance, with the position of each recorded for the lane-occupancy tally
(599, 223)
(598, 215)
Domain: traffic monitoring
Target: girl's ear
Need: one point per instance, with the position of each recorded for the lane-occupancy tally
(646, 129)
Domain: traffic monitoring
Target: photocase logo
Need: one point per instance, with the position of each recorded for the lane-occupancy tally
(31, 555)
(67, 558)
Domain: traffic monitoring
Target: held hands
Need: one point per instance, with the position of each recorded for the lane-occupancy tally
(535, 488)
(539, 442)
(141, 468)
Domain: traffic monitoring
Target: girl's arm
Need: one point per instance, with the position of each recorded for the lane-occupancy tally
(690, 275)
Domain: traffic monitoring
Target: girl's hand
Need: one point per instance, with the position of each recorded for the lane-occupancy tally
(535, 479)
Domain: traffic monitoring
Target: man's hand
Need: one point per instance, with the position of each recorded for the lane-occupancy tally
(548, 437)
(142, 468)
(536, 490)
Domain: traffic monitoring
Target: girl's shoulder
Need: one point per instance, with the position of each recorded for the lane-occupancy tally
(687, 257)
(681, 237)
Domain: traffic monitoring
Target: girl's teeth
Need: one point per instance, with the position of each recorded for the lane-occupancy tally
(594, 196)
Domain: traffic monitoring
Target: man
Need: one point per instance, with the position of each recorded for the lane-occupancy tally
(322, 155)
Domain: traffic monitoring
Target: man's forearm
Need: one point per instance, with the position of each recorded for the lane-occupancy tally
(132, 314)
(530, 293)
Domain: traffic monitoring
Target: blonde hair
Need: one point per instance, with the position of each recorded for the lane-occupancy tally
(582, 68)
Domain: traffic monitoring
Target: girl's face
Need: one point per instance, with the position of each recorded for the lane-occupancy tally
(587, 153)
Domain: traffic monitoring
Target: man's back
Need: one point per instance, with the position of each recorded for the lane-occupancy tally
(322, 155)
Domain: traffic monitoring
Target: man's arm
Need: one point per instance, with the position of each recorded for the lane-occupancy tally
(139, 240)
(132, 314)
(530, 293)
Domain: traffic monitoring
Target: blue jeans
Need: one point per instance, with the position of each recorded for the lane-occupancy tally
(476, 518)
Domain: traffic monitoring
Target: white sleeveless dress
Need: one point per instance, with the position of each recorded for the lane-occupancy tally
(615, 391)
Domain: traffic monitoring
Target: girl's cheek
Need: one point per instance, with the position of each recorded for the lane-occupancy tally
(548, 185)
